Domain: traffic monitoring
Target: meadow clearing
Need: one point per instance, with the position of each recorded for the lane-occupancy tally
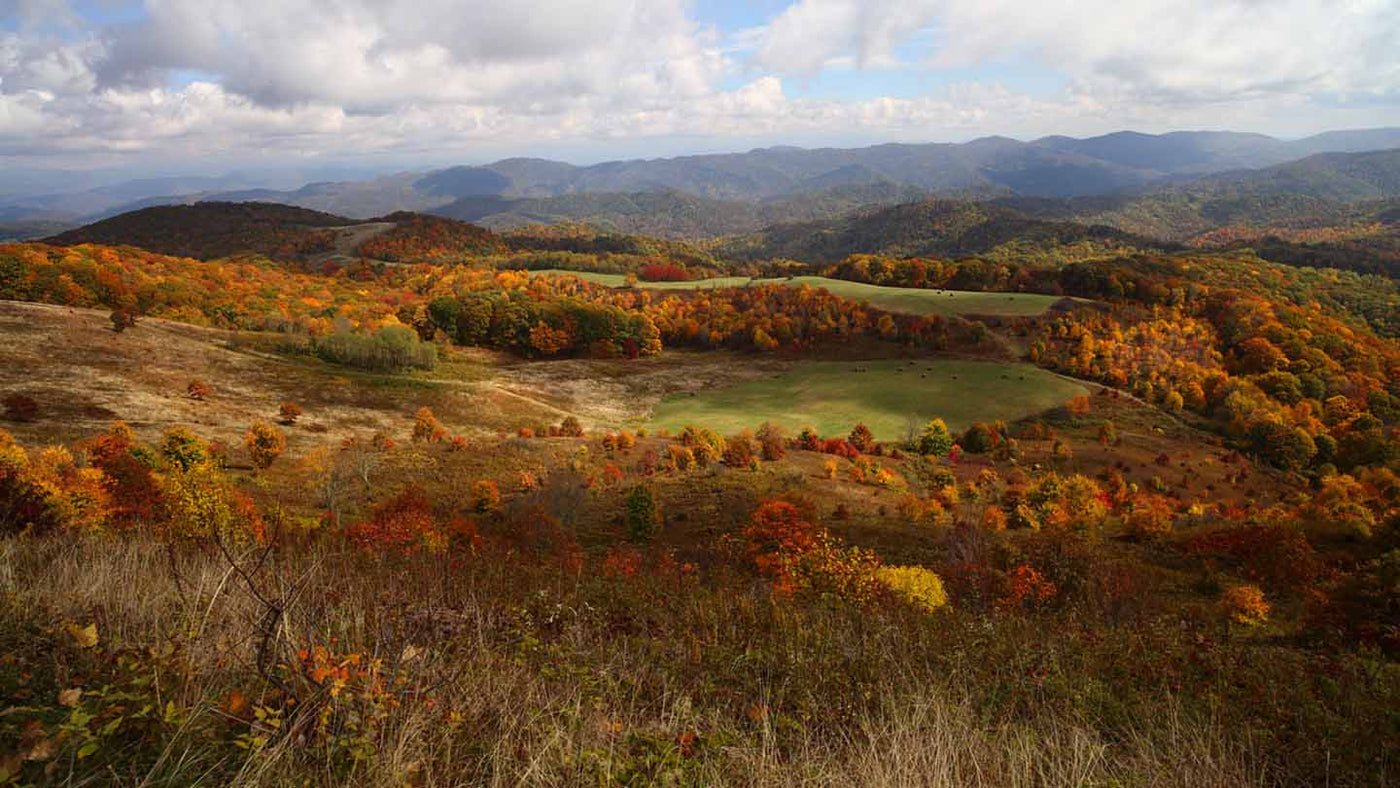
(887, 395)
(907, 300)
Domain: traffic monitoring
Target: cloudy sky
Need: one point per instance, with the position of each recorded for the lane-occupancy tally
(213, 85)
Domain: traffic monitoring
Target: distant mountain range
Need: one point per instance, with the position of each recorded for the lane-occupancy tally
(933, 228)
(1320, 190)
(1170, 185)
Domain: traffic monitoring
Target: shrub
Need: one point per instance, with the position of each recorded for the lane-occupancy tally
(680, 457)
(570, 428)
(1108, 434)
(122, 320)
(771, 441)
(622, 562)
(486, 496)
(993, 519)
(1245, 605)
(935, 439)
(706, 444)
(916, 585)
(663, 272)
(979, 439)
(198, 390)
(265, 444)
(1024, 517)
(1150, 517)
(738, 451)
(21, 407)
(181, 449)
(1026, 589)
(840, 448)
(203, 507)
(403, 523)
(612, 474)
(289, 413)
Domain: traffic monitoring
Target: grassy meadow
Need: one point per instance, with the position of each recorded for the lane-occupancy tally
(833, 395)
(908, 300)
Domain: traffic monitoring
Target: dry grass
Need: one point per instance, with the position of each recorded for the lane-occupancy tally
(542, 693)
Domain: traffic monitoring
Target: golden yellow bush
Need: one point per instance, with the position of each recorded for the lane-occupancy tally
(918, 586)
(1245, 605)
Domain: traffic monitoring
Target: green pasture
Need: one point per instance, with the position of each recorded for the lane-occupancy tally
(833, 395)
(906, 300)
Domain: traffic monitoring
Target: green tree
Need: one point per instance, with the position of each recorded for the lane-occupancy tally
(643, 519)
(935, 438)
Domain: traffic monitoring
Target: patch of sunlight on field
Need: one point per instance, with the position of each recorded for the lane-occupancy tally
(832, 396)
(907, 300)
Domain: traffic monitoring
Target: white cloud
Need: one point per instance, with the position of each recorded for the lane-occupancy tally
(1169, 51)
(231, 80)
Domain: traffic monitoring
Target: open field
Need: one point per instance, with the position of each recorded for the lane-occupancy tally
(85, 376)
(832, 396)
(908, 300)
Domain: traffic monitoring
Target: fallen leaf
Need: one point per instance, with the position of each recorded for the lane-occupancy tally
(41, 751)
(69, 697)
(235, 704)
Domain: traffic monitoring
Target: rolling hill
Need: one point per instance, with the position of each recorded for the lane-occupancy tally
(209, 230)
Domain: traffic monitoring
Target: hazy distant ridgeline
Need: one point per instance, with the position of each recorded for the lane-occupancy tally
(722, 194)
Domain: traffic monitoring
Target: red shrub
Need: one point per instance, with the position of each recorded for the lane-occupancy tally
(1274, 555)
(662, 272)
(1026, 589)
(622, 562)
(840, 448)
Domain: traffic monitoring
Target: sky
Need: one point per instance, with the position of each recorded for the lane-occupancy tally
(210, 86)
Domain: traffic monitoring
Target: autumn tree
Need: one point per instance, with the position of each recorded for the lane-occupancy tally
(862, 438)
(426, 427)
(198, 390)
(265, 444)
(776, 534)
(1078, 406)
(181, 449)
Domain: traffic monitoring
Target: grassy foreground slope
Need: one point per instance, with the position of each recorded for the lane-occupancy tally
(907, 300)
(833, 395)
